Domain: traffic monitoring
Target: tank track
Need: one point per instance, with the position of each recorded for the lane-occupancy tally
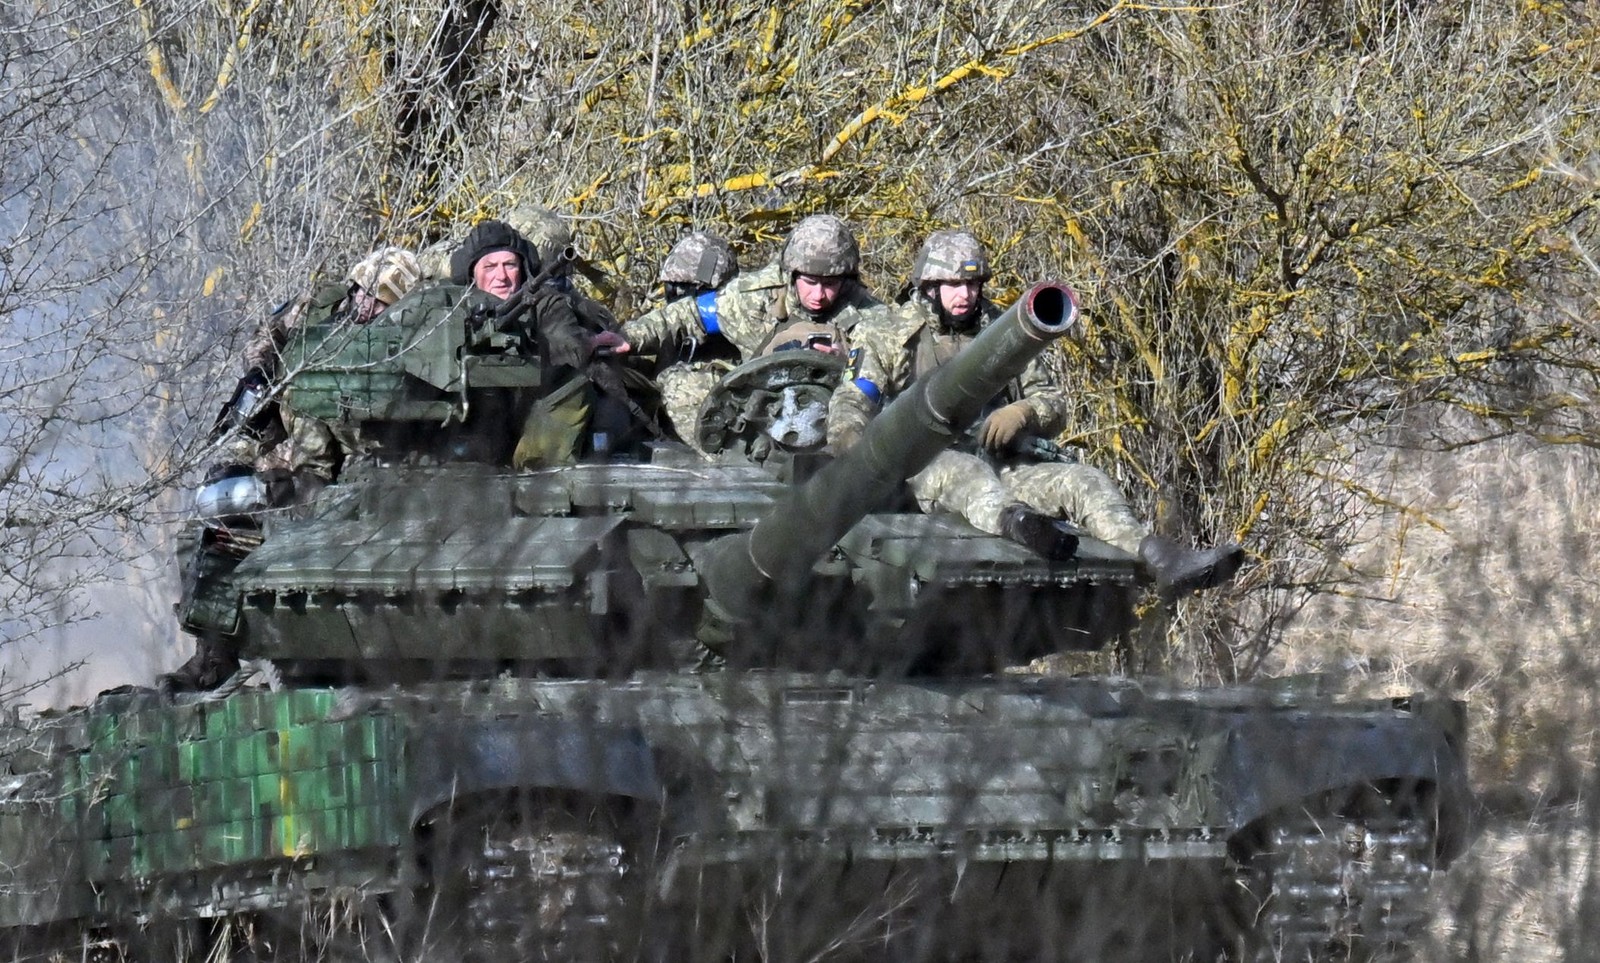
(1343, 889)
(542, 892)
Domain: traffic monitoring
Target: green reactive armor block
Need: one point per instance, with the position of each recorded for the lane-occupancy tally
(260, 776)
(360, 371)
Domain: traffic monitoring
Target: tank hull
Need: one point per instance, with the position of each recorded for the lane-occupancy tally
(729, 789)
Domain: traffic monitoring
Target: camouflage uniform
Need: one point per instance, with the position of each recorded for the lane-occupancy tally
(698, 264)
(749, 312)
(759, 313)
(310, 445)
(684, 388)
(889, 356)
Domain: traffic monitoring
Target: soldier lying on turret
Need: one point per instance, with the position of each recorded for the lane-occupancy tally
(1028, 502)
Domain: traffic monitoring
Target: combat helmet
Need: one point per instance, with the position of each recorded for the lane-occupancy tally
(951, 256)
(544, 229)
(387, 273)
(821, 245)
(700, 260)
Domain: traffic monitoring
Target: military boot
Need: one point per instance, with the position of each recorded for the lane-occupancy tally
(1047, 536)
(1179, 570)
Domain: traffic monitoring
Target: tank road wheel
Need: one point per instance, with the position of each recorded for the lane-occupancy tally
(1336, 883)
(540, 878)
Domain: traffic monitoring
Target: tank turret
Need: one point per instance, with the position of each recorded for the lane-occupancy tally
(421, 571)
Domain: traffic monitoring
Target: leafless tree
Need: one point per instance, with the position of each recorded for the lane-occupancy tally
(1309, 234)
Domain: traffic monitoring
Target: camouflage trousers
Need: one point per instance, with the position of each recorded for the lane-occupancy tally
(311, 445)
(1082, 494)
(314, 446)
(967, 486)
(684, 388)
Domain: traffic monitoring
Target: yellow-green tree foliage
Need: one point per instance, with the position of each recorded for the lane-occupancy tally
(1300, 229)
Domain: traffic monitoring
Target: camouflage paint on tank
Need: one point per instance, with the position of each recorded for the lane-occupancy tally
(262, 775)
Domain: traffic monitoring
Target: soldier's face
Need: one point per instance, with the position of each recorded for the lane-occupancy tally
(959, 297)
(366, 306)
(497, 273)
(817, 293)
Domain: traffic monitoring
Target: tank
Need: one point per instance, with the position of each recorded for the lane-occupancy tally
(681, 708)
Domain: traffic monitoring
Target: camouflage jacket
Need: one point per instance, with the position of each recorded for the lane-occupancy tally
(888, 354)
(747, 311)
(303, 444)
(262, 351)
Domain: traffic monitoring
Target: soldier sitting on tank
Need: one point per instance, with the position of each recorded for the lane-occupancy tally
(1025, 501)
(269, 456)
(696, 267)
(626, 401)
(494, 265)
(614, 404)
(297, 456)
(810, 297)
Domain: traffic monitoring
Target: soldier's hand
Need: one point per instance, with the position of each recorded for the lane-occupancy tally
(608, 344)
(1003, 426)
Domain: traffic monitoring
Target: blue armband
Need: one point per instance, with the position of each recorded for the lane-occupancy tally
(873, 393)
(707, 303)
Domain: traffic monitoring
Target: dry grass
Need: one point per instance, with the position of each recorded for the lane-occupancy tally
(1486, 595)
(1520, 894)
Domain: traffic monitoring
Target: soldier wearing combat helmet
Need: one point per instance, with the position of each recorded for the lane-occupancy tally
(1027, 501)
(810, 297)
(373, 284)
(699, 263)
(293, 456)
(696, 267)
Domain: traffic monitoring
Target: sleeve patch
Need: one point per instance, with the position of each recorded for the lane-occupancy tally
(707, 304)
(872, 391)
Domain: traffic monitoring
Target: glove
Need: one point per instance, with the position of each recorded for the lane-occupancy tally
(607, 344)
(1002, 427)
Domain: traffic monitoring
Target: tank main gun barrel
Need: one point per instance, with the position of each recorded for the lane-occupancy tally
(745, 573)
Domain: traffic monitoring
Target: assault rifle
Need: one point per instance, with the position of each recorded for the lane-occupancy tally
(1035, 448)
